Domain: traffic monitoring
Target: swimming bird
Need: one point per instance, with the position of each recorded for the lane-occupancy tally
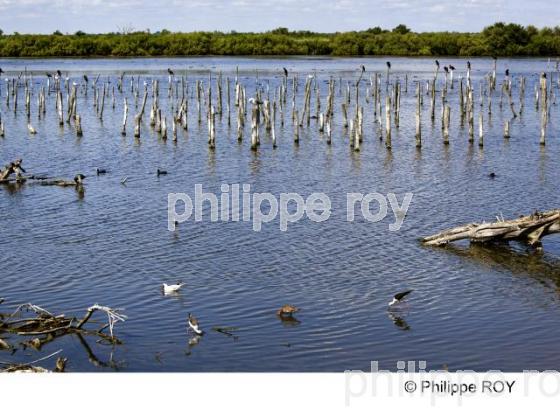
(160, 172)
(170, 71)
(99, 171)
(194, 325)
(287, 310)
(172, 288)
(399, 297)
(285, 71)
(31, 129)
(491, 175)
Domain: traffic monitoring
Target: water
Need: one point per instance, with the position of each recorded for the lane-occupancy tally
(472, 308)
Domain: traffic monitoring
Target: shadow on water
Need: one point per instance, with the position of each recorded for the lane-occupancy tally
(516, 258)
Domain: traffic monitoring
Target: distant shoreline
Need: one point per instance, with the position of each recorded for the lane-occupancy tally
(499, 40)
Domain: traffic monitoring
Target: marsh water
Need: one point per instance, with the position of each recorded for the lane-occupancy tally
(473, 307)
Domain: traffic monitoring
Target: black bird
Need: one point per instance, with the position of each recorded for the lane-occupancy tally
(161, 172)
(468, 65)
(388, 64)
(446, 69)
(491, 175)
(451, 67)
(363, 68)
(100, 171)
(1, 71)
(543, 75)
(285, 71)
(86, 79)
(170, 71)
(399, 297)
(58, 73)
(437, 63)
(507, 72)
(49, 75)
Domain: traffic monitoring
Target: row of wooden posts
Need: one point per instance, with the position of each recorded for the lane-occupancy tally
(265, 110)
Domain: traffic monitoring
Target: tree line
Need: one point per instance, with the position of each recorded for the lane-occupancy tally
(500, 39)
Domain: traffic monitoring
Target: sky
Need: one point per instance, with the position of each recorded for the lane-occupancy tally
(99, 16)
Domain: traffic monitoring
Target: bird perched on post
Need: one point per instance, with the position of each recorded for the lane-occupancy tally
(388, 64)
(1, 71)
(86, 79)
(49, 75)
(170, 71)
(285, 71)
(437, 64)
(59, 73)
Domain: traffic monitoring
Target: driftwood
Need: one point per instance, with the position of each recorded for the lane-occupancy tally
(44, 327)
(530, 229)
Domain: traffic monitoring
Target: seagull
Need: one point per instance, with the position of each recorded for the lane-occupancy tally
(172, 288)
(161, 172)
(287, 310)
(99, 171)
(170, 71)
(193, 323)
(285, 71)
(399, 297)
(31, 129)
(254, 101)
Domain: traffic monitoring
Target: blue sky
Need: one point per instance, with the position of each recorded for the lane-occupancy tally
(46, 16)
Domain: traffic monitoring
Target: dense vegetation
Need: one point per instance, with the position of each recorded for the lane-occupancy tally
(499, 39)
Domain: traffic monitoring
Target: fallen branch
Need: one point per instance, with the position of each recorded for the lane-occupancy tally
(531, 229)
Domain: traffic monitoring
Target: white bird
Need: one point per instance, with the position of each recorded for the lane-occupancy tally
(253, 101)
(172, 288)
(31, 129)
(399, 297)
(194, 325)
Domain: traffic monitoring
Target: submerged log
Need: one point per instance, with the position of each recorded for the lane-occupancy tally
(530, 229)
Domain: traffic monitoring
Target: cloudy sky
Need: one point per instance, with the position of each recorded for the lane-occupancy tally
(46, 16)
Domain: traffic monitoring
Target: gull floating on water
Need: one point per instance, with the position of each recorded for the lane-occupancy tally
(399, 297)
(172, 288)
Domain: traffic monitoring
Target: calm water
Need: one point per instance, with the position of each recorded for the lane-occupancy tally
(472, 308)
